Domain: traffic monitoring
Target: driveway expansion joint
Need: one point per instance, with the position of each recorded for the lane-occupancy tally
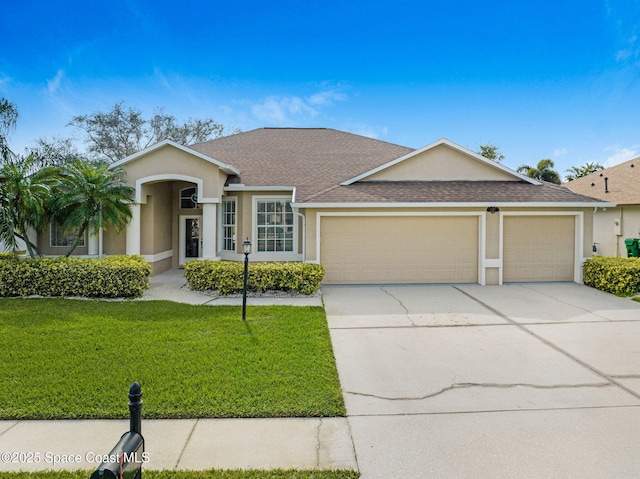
(17, 421)
(573, 305)
(523, 328)
(186, 444)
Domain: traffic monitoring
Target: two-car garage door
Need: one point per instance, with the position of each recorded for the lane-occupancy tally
(399, 249)
(443, 249)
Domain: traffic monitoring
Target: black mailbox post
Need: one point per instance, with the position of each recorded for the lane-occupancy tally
(125, 459)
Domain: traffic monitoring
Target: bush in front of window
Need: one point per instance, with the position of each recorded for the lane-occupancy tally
(620, 276)
(112, 277)
(226, 277)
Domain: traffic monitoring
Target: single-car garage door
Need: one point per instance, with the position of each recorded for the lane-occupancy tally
(402, 249)
(538, 248)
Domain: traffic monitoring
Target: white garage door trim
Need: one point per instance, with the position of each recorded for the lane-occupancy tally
(578, 237)
(481, 230)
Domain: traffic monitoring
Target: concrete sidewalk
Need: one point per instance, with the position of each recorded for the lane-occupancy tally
(171, 286)
(196, 444)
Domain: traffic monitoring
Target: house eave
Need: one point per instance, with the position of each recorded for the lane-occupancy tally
(239, 187)
(484, 204)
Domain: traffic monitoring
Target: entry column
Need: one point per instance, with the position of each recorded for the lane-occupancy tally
(209, 230)
(133, 231)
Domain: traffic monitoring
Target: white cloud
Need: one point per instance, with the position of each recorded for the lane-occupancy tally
(326, 97)
(162, 79)
(284, 110)
(4, 82)
(559, 153)
(619, 155)
(370, 131)
(53, 85)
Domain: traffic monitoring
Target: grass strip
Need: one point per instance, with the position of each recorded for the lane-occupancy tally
(210, 474)
(75, 359)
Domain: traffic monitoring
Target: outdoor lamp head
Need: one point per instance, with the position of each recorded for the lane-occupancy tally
(246, 246)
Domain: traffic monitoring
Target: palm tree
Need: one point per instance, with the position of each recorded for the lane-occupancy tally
(576, 172)
(542, 171)
(91, 197)
(25, 195)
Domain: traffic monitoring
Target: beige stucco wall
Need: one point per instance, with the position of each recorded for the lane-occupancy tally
(114, 243)
(156, 224)
(45, 248)
(172, 161)
(608, 242)
(441, 163)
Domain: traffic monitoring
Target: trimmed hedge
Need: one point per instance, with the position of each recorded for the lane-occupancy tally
(111, 277)
(227, 277)
(620, 276)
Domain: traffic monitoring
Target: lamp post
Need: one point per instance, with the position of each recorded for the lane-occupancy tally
(246, 249)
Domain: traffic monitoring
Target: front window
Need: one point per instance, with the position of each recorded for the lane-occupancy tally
(60, 237)
(229, 225)
(189, 198)
(274, 225)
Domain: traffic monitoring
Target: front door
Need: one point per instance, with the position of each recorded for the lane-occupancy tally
(190, 238)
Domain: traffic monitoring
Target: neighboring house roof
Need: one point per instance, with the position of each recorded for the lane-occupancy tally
(327, 166)
(618, 184)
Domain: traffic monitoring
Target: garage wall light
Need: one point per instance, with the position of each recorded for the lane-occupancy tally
(493, 209)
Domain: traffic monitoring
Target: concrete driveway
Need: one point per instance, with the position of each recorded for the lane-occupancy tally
(514, 381)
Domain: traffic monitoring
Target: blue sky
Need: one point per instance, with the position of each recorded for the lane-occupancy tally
(547, 79)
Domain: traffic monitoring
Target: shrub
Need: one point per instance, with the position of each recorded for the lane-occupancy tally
(112, 277)
(620, 276)
(227, 277)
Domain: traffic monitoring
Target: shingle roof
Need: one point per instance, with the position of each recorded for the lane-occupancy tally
(311, 159)
(498, 192)
(316, 160)
(623, 183)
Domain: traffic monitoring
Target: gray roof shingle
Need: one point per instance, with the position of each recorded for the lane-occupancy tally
(485, 192)
(317, 160)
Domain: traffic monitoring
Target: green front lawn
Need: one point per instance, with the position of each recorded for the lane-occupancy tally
(212, 474)
(66, 358)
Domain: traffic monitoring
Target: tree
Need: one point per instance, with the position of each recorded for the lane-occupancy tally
(542, 171)
(122, 131)
(492, 152)
(576, 172)
(8, 119)
(25, 197)
(54, 152)
(90, 197)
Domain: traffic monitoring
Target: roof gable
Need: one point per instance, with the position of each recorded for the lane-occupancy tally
(442, 160)
(168, 143)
